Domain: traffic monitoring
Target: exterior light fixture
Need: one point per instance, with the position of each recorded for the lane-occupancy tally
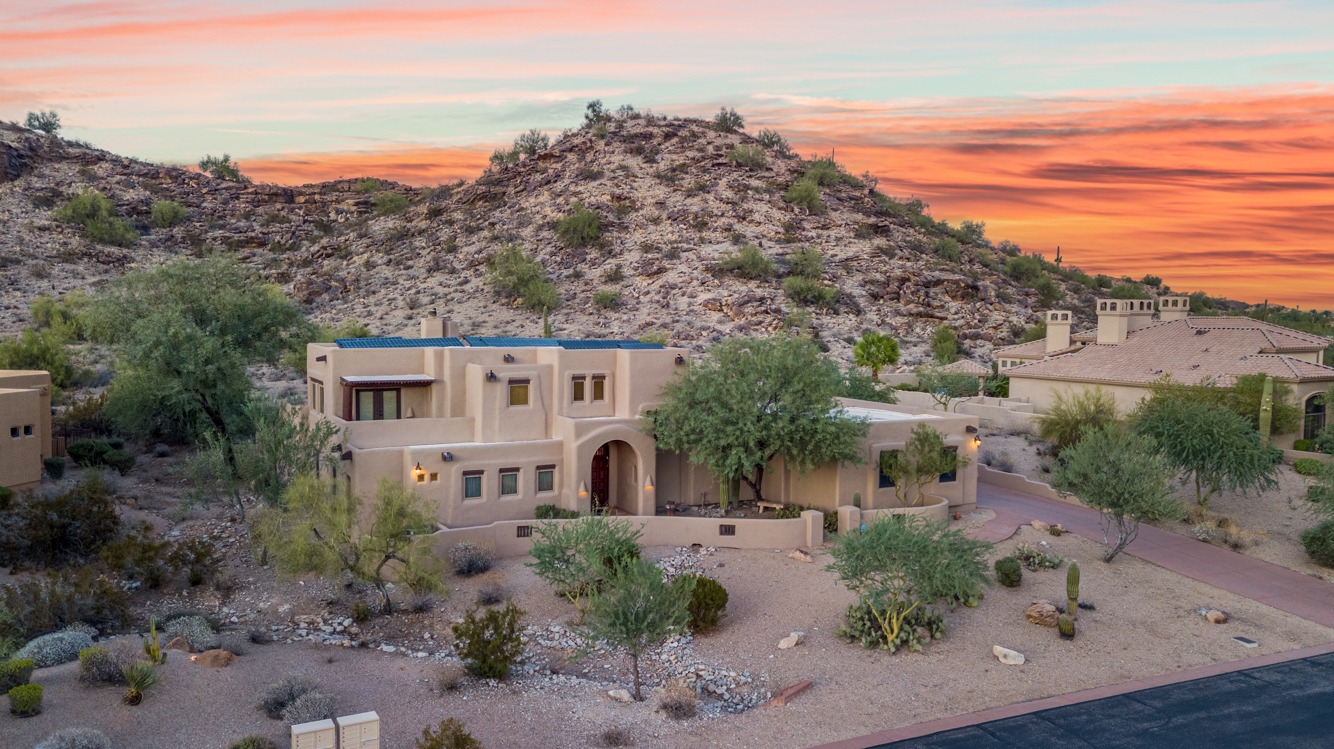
(648, 483)
(680, 359)
(418, 471)
(491, 375)
(447, 456)
(977, 442)
(509, 358)
(583, 490)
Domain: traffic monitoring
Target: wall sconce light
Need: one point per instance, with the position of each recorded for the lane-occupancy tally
(648, 483)
(977, 442)
(583, 490)
(491, 376)
(447, 456)
(509, 358)
(418, 471)
(680, 359)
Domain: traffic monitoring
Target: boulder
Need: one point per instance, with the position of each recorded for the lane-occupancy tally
(1044, 613)
(621, 695)
(1214, 616)
(792, 640)
(215, 658)
(801, 555)
(178, 643)
(1007, 656)
(1040, 526)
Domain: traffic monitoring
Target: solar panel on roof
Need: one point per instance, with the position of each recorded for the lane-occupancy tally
(511, 342)
(605, 343)
(397, 342)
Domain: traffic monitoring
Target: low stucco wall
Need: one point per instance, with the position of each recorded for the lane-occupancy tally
(1018, 483)
(750, 533)
(1290, 455)
(935, 509)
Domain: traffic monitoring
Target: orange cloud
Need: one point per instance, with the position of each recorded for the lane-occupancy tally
(413, 165)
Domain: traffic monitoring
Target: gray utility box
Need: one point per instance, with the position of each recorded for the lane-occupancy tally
(360, 731)
(318, 734)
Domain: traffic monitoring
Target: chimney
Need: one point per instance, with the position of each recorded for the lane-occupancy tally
(1058, 330)
(1141, 314)
(1171, 308)
(1113, 320)
(439, 327)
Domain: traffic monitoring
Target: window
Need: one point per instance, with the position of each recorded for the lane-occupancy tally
(523, 531)
(27, 430)
(316, 400)
(518, 392)
(14, 432)
(472, 484)
(509, 481)
(546, 478)
(887, 460)
(377, 405)
(577, 388)
(949, 476)
(435, 477)
(1315, 416)
(421, 478)
(599, 387)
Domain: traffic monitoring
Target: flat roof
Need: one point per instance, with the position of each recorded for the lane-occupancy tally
(877, 414)
(495, 342)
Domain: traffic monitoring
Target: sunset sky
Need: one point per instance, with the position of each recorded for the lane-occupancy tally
(1192, 140)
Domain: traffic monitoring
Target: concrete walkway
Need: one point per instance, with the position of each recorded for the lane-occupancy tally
(1302, 595)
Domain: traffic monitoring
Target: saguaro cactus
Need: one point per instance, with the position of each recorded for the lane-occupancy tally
(1072, 590)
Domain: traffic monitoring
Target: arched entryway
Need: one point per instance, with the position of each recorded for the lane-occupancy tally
(613, 479)
(1316, 414)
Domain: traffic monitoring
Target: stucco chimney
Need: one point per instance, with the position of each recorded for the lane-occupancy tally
(1141, 314)
(439, 327)
(1113, 320)
(1058, 330)
(1173, 308)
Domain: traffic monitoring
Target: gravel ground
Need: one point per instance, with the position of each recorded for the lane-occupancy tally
(1145, 623)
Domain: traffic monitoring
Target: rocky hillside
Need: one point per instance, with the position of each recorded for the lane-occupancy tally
(669, 199)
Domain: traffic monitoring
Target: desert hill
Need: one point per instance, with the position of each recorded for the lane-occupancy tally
(671, 195)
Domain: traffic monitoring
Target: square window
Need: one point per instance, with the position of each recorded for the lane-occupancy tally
(518, 392)
(421, 478)
(546, 479)
(435, 477)
(14, 432)
(888, 461)
(577, 389)
(472, 486)
(27, 430)
(509, 483)
(599, 388)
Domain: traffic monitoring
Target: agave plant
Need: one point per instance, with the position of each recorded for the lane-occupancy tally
(140, 676)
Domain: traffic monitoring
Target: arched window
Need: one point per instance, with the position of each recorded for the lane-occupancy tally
(1315, 416)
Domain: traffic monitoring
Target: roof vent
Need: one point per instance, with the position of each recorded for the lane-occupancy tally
(1200, 331)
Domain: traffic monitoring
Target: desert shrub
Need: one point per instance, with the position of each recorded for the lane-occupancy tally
(277, 696)
(367, 186)
(15, 672)
(808, 291)
(787, 512)
(86, 206)
(1049, 292)
(1009, 572)
(708, 602)
(119, 461)
(138, 557)
(751, 157)
(616, 736)
(26, 701)
(388, 203)
(806, 263)
(1307, 466)
(361, 612)
(470, 559)
(806, 194)
(60, 599)
(490, 595)
(311, 706)
(236, 643)
(576, 557)
(55, 467)
(139, 678)
(1023, 269)
(747, 261)
(253, 742)
(823, 171)
(6, 497)
(87, 452)
(450, 734)
(199, 557)
(552, 512)
(195, 629)
(75, 738)
(861, 626)
(1302, 446)
(775, 142)
(1071, 415)
(947, 249)
(98, 665)
(679, 703)
(607, 298)
(514, 274)
(1318, 541)
(580, 228)
(55, 648)
(491, 644)
(110, 230)
(1035, 559)
(728, 121)
(167, 213)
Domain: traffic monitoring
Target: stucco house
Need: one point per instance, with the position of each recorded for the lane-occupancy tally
(25, 427)
(488, 428)
(1137, 343)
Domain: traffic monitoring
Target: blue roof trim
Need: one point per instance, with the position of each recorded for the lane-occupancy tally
(397, 342)
(494, 342)
(592, 343)
(510, 342)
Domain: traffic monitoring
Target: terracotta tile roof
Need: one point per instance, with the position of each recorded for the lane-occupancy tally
(964, 366)
(1030, 350)
(1191, 351)
(1088, 336)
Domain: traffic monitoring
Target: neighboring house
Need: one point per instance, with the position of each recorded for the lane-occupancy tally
(489, 428)
(1132, 348)
(25, 426)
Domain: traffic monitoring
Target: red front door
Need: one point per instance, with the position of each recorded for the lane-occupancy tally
(601, 487)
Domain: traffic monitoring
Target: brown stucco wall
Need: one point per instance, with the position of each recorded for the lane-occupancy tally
(25, 406)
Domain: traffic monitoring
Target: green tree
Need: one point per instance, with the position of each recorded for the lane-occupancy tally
(1243, 398)
(49, 312)
(859, 385)
(183, 334)
(1036, 332)
(946, 387)
(284, 445)
(40, 349)
(575, 556)
(728, 121)
(47, 122)
(531, 142)
(295, 357)
(944, 345)
(1211, 446)
(639, 610)
(1071, 414)
(751, 400)
(922, 460)
(897, 564)
(326, 531)
(223, 168)
(1124, 477)
(1023, 269)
